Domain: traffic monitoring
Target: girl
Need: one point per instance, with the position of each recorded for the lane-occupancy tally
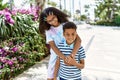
(51, 24)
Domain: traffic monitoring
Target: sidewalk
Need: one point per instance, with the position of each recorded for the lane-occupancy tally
(102, 55)
(36, 72)
(102, 61)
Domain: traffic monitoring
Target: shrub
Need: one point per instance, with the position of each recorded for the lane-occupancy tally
(15, 23)
(20, 43)
(19, 53)
(117, 20)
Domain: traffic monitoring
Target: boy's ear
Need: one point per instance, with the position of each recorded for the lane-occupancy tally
(76, 33)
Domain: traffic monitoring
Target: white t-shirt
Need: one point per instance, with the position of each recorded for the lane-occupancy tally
(54, 34)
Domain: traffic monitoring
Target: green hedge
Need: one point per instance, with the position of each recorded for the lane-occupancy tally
(22, 52)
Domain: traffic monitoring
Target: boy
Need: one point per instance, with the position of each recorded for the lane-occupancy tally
(72, 71)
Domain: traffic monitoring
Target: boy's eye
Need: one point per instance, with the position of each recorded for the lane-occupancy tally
(67, 34)
(73, 34)
(70, 34)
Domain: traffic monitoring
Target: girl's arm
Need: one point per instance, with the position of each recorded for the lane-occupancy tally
(56, 50)
(80, 65)
(76, 46)
(57, 65)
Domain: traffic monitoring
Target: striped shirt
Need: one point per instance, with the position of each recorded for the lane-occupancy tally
(70, 72)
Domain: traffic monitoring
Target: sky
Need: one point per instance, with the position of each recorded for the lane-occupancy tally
(17, 3)
(78, 5)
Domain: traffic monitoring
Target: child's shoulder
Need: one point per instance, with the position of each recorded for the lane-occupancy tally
(61, 43)
(51, 30)
(81, 48)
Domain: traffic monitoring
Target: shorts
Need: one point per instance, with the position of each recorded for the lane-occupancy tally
(51, 65)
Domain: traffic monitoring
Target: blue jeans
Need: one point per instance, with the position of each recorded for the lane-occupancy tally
(65, 79)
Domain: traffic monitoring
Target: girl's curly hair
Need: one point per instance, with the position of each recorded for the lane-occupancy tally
(43, 25)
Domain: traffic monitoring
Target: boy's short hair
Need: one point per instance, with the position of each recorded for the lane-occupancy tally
(69, 25)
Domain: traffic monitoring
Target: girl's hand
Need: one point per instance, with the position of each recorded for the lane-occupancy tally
(66, 61)
(72, 56)
(69, 61)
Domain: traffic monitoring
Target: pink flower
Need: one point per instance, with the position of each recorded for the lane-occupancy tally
(10, 43)
(11, 21)
(8, 18)
(7, 14)
(23, 11)
(14, 12)
(1, 12)
(10, 62)
(2, 50)
(14, 59)
(21, 59)
(14, 49)
(3, 59)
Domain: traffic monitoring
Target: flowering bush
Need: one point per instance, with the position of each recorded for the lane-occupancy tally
(20, 43)
(15, 23)
(11, 57)
(18, 53)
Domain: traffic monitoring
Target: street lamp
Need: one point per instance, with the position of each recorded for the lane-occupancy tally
(65, 4)
(11, 4)
(60, 5)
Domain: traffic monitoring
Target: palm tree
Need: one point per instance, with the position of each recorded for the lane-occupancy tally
(11, 3)
(40, 3)
(51, 3)
(87, 9)
(106, 10)
(3, 6)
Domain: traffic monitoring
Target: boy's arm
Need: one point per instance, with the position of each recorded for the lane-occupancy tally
(76, 46)
(56, 50)
(57, 65)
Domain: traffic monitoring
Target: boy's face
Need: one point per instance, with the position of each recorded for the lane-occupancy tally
(70, 35)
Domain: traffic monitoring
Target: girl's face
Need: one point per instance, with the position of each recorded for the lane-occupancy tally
(52, 20)
(70, 35)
